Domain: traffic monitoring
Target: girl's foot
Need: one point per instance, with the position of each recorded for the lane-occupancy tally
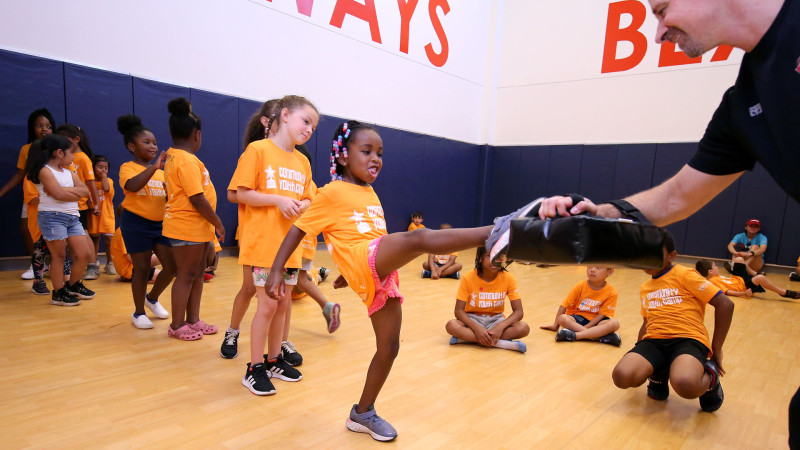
(370, 422)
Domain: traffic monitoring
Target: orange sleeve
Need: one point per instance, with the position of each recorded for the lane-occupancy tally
(246, 173)
(513, 291)
(463, 290)
(23, 156)
(317, 217)
(191, 178)
(85, 169)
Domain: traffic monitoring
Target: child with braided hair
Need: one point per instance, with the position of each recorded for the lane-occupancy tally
(349, 214)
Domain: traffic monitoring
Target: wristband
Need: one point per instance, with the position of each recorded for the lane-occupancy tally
(628, 211)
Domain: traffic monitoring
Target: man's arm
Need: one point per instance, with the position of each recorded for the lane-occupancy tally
(675, 199)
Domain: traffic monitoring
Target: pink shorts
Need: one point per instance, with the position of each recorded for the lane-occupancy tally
(387, 288)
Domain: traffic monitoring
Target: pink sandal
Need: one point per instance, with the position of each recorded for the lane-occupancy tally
(184, 333)
(203, 327)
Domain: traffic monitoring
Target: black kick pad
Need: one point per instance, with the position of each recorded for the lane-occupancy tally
(589, 240)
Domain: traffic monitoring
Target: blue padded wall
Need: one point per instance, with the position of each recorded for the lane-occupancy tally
(598, 166)
(564, 170)
(789, 248)
(220, 149)
(669, 160)
(633, 169)
(26, 83)
(246, 108)
(150, 100)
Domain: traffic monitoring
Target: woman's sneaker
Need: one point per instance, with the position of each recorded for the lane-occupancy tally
(79, 290)
(290, 354)
(256, 379)
(62, 297)
(713, 398)
(281, 370)
(40, 288)
(370, 422)
(230, 344)
(497, 242)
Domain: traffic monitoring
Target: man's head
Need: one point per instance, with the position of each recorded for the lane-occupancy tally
(752, 226)
(692, 25)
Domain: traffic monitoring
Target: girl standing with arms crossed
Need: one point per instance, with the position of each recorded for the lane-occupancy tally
(190, 220)
(59, 191)
(141, 221)
(348, 213)
(274, 181)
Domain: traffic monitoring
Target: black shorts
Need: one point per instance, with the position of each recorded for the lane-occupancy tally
(582, 321)
(740, 270)
(84, 218)
(661, 352)
(140, 234)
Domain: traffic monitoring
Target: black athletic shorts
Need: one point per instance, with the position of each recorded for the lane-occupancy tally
(661, 352)
(740, 270)
(84, 218)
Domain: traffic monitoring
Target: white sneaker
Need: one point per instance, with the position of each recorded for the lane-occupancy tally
(141, 322)
(109, 269)
(156, 308)
(92, 272)
(28, 274)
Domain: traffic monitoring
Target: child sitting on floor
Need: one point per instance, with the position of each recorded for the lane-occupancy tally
(479, 308)
(588, 310)
(742, 284)
(438, 266)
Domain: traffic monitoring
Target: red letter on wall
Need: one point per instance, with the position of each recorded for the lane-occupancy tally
(722, 53)
(630, 34)
(671, 56)
(303, 6)
(406, 12)
(364, 12)
(438, 60)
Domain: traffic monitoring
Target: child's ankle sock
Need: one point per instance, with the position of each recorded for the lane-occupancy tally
(231, 330)
(507, 345)
(137, 314)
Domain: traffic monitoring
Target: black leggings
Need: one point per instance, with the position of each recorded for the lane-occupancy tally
(40, 251)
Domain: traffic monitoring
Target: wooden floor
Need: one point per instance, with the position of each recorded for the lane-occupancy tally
(84, 377)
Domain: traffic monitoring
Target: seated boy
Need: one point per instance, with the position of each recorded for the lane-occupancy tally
(740, 286)
(479, 308)
(122, 260)
(673, 341)
(416, 221)
(438, 266)
(588, 310)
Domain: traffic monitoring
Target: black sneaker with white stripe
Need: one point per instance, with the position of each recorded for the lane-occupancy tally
(290, 354)
(256, 379)
(230, 344)
(79, 290)
(281, 370)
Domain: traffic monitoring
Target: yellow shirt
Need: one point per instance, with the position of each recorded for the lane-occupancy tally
(23, 156)
(119, 256)
(414, 226)
(30, 193)
(487, 298)
(732, 283)
(240, 207)
(587, 302)
(185, 176)
(265, 168)
(104, 223)
(349, 217)
(674, 305)
(82, 165)
(442, 259)
(150, 201)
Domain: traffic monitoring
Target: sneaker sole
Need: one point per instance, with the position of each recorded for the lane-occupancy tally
(358, 428)
(81, 296)
(229, 357)
(59, 303)
(144, 327)
(500, 248)
(285, 378)
(41, 293)
(254, 391)
(334, 325)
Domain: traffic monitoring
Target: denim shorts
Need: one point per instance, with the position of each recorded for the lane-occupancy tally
(182, 243)
(56, 226)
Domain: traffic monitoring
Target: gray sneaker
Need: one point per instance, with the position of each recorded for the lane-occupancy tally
(370, 422)
(497, 243)
(92, 272)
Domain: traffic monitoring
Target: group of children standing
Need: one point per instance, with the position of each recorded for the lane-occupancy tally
(169, 211)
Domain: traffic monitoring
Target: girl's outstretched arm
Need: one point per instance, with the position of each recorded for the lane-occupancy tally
(275, 286)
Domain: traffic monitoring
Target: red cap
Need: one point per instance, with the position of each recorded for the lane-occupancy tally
(755, 222)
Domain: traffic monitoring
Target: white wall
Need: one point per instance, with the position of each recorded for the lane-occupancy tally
(260, 49)
(550, 89)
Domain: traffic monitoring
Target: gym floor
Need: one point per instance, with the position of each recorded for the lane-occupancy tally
(85, 377)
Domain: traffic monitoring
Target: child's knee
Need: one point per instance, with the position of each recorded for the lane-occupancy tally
(685, 386)
(451, 326)
(613, 325)
(563, 320)
(738, 259)
(523, 329)
(389, 350)
(624, 377)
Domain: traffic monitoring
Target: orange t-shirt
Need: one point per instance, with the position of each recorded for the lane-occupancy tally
(82, 165)
(29, 193)
(185, 176)
(119, 256)
(587, 302)
(442, 259)
(485, 298)
(674, 305)
(240, 207)
(23, 156)
(414, 226)
(150, 201)
(349, 217)
(732, 283)
(104, 223)
(265, 168)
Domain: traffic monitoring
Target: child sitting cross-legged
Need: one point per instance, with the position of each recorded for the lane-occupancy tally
(588, 310)
(479, 308)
